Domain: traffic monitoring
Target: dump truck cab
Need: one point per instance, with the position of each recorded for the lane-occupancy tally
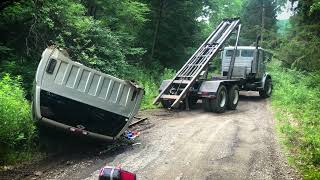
(249, 68)
(245, 65)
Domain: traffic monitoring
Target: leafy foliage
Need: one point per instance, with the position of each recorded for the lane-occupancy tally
(297, 91)
(17, 128)
(315, 6)
(297, 104)
(258, 18)
(294, 53)
(296, 94)
(102, 42)
(150, 80)
(299, 47)
(171, 31)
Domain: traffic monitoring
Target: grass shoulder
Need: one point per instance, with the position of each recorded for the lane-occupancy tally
(296, 103)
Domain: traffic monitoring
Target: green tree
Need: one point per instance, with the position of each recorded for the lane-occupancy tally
(171, 31)
(97, 33)
(258, 18)
(299, 47)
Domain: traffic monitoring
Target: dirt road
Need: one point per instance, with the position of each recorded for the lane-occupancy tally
(238, 144)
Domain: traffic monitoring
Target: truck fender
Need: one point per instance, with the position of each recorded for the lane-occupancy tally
(264, 78)
(164, 84)
(209, 87)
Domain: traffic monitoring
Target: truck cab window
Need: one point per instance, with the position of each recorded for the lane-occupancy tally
(230, 52)
(247, 53)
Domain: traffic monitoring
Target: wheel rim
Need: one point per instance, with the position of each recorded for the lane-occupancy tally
(223, 98)
(269, 89)
(236, 96)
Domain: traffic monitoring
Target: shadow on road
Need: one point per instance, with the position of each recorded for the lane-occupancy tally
(52, 141)
(251, 98)
(60, 149)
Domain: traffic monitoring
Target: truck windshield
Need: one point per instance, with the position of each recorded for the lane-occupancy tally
(247, 53)
(230, 52)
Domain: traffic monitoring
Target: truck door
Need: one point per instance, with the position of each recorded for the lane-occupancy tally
(261, 65)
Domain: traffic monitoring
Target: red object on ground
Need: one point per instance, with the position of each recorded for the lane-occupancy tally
(125, 175)
(115, 173)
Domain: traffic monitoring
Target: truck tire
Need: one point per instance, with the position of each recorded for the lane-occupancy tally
(192, 101)
(233, 97)
(207, 104)
(267, 89)
(218, 104)
(166, 103)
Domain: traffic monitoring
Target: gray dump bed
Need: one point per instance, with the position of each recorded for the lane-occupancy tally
(71, 96)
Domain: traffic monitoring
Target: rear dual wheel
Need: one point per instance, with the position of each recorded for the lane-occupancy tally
(224, 100)
(192, 101)
(218, 104)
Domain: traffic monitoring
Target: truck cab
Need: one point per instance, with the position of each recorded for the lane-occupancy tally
(245, 65)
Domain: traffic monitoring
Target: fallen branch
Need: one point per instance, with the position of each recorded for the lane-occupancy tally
(140, 120)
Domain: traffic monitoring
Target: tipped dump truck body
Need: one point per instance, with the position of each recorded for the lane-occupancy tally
(73, 97)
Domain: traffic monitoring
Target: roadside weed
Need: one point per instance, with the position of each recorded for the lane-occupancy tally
(297, 103)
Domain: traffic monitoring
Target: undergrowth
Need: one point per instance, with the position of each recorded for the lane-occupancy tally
(16, 125)
(151, 83)
(297, 103)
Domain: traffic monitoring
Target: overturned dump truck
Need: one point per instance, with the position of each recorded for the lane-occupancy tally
(70, 96)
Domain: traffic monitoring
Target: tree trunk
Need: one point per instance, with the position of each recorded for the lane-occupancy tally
(156, 31)
(262, 21)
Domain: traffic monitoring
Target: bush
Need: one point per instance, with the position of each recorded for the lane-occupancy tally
(294, 53)
(296, 98)
(17, 128)
(151, 86)
(168, 74)
(150, 80)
